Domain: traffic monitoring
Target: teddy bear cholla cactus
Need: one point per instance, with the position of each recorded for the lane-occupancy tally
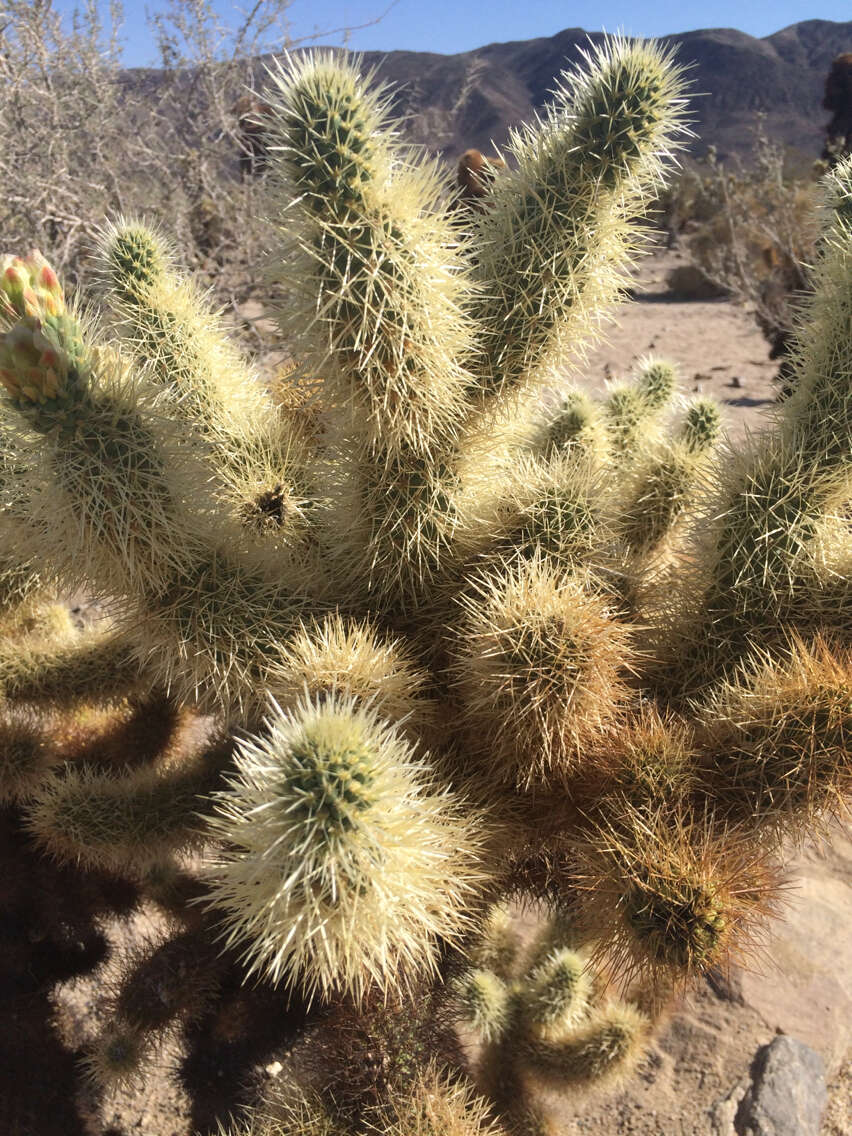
(532, 594)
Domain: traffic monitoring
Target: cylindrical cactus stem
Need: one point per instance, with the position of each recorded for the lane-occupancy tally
(603, 1048)
(557, 994)
(168, 328)
(485, 1004)
(340, 864)
(701, 425)
(104, 472)
(334, 655)
(289, 1110)
(26, 755)
(497, 945)
(97, 663)
(656, 381)
(124, 823)
(575, 426)
(551, 246)
(817, 418)
(540, 663)
(666, 897)
(436, 1104)
(761, 545)
(391, 527)
(632, 410)
(381, 319)
(217, 635)
(380, 275)
(776, 749)
(541, 507)
(663, 478)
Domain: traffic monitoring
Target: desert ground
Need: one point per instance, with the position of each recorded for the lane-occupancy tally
(689, 1082)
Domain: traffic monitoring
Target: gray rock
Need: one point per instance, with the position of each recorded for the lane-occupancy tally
(787, 1096)
(688, 282)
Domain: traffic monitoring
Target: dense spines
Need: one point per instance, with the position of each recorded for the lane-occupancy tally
(383, 307)
(668, 898)
(541, 665)
(777, 738)
(381, 320)
(123, 822)
(26, 754)
(573, 425)
(341, 656)
(759, 568)
(604, 1048)
(370, 863)
(429, 567)
(665, 476)
(168, 328)
(551, 245)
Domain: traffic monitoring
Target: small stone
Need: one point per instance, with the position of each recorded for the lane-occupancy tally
(787, 1095)
(735, 382)
(724, 1110)
(688, 282)
(274, 1069)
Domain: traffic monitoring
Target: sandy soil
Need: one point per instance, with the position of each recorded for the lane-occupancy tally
(706, 1047)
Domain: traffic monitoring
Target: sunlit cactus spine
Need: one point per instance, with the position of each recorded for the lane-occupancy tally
(167, 326)
(342, 864)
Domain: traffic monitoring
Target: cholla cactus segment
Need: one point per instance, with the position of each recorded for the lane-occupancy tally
(484, 1002)
(382, 317)
(298, 1112)
(656, 382)
(26, 754)
(216, 633)
(778, 737)
(496, 949)
(755, 555)
(63, 669)
(557, 993)
(667, 898)
(334, 655)
(541, 666)
(838, 192)
(574, 426)
(702, 424)
(665, 476)
(818, 417)
(341, 864)
(436, 1105)
(133, 257)
(545, 507)
(167, 325)
(605, 1048)
(121, 823)
(552, 242)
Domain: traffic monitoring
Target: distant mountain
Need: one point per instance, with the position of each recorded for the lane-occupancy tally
(452, 102)
(456, 101)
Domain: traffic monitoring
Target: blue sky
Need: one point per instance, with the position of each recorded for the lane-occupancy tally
(452, 25)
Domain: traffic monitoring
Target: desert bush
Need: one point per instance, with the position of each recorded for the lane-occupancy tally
(447, 648)
(82, 138)
(752, 228)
